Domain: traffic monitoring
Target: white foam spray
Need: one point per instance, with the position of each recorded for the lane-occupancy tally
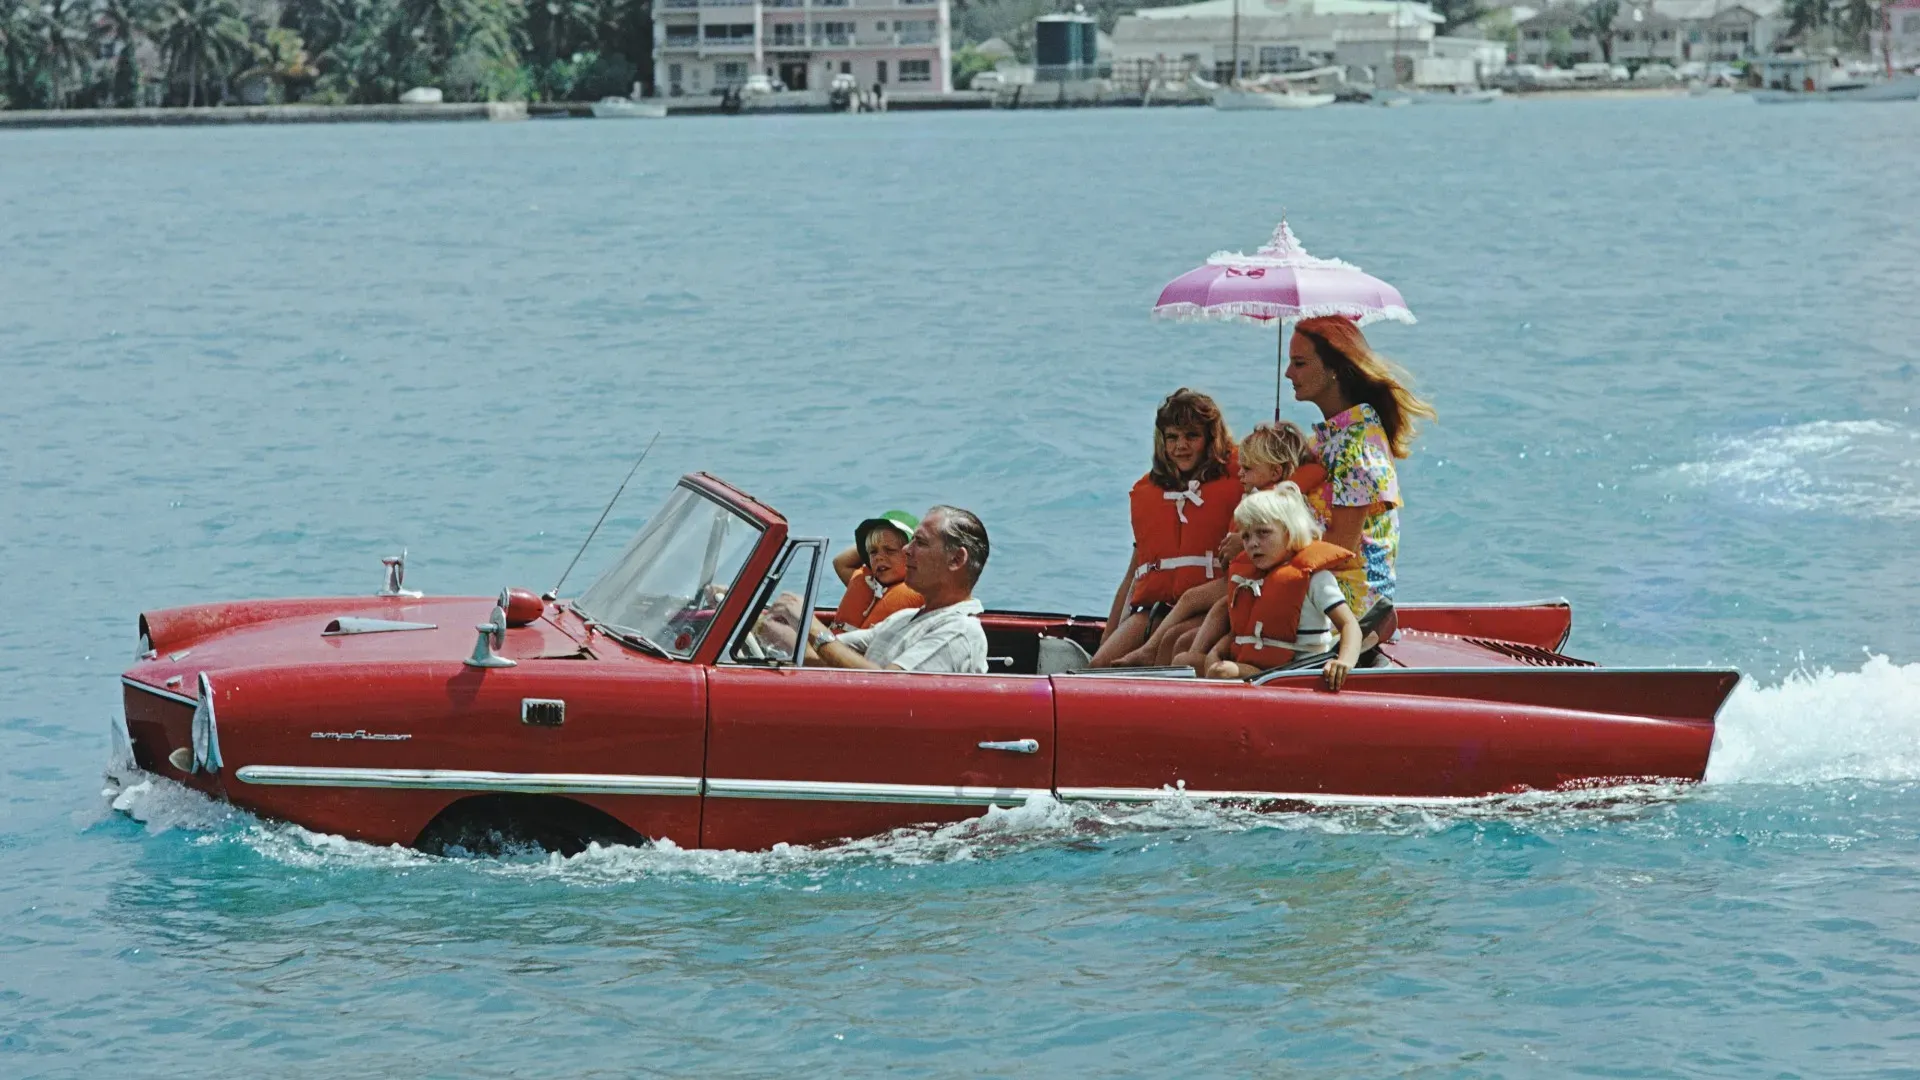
(1857, 468)
(1822, 726)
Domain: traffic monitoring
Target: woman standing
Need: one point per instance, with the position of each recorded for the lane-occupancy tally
(1369, 416)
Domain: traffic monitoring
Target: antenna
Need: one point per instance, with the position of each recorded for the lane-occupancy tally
(554, 593)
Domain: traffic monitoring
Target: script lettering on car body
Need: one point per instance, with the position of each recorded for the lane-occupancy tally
(363, 733)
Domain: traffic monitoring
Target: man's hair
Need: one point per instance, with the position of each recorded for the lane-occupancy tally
(962, 529)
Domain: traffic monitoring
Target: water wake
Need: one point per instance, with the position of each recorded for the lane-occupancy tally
(1857, 468)
(1822, 726)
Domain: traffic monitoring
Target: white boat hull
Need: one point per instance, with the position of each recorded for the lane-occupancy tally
(1903, 89)
(629, 110)
(1253, 100)
(1469, 97)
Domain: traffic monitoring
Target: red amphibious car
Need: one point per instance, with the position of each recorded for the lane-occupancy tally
(656, 706)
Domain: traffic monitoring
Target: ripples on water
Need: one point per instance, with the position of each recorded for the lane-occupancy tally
(1673, 347)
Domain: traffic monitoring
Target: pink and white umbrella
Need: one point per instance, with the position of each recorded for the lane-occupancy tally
(1279, 283)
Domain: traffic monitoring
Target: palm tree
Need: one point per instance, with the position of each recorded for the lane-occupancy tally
(1598, 18)
(200, 37)
(1805, 15)
(119, 25)
(59, 35)
(1857, 19)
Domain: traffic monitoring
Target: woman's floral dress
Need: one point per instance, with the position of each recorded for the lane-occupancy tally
(1353, 446)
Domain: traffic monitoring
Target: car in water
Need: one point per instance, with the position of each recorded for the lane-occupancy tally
(656, 705)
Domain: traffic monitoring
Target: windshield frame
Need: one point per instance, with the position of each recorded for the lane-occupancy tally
(746, 585)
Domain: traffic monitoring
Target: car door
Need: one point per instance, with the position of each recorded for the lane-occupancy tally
(805, 755)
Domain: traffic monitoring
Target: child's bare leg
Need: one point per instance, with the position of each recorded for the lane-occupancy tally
(1124, 639)
(1227, 669)
(1186, 614)
(1192, 604)
(1181, 640)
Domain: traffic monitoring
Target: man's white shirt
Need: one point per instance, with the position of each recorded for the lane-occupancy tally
(944, 639)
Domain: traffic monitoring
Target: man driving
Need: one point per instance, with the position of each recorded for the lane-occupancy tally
(944, 560)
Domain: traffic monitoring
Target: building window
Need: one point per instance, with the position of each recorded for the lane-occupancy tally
(1666, 35)
(1910, 24)
(833, 33)
(682, 37)
(916, 71)
(731, 73)
(880, 72)
(728, 33)
(674, 76)
(789, 34)
(1739, 35)
(915, 32)
(1624, 35)
(1533, 35)
(1278, 57)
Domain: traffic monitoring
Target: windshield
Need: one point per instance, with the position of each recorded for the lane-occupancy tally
(667, 586)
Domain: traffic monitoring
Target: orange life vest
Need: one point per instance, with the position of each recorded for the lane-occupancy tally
(1264, 612)
(867, 602)
(1177, 534)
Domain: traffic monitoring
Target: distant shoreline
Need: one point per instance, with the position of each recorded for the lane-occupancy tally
(518, 110)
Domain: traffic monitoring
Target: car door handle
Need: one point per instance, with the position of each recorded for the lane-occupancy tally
(1014, 746)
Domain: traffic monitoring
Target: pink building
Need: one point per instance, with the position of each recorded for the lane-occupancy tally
(703, 46)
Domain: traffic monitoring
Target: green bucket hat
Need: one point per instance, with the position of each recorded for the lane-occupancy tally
(898, 520)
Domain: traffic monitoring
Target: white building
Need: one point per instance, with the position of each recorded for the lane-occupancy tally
(704, 46)
(1377, 40)
(1670, 31)
(1898, 37)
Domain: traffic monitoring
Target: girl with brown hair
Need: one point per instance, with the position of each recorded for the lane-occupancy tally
(1181, 510)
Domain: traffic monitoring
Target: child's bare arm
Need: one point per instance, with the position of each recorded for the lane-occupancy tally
(846, 563)
(1335, 673)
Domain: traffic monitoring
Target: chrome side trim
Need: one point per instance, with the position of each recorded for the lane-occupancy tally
(1490, 605)
(157, 692)
(1515, 671)
(465, 780)
(1147, 795)
(829, 791)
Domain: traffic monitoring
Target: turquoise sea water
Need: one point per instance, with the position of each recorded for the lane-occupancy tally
(1674, 348)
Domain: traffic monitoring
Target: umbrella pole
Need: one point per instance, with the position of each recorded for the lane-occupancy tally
(1280, 373)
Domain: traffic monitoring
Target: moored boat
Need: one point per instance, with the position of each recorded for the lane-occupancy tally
(1227, 99)
(658, 705)
(620, 108)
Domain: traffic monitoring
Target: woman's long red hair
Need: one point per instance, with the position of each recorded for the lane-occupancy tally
(1366, 377)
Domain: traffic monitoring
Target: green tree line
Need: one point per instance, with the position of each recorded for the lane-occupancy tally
(123, 53)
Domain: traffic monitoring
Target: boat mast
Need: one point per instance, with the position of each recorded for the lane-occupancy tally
(1235, 77)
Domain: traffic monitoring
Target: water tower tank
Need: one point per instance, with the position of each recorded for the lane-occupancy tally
(1064, 45)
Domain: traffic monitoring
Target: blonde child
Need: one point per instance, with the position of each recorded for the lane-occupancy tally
(1285, 602)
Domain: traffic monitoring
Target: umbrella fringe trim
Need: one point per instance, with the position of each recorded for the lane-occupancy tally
(1261, 312)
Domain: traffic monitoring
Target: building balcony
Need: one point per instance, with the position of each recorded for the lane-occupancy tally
(858, 41)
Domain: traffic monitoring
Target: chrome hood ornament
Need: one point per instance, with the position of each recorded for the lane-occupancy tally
(493, 634)
(396, 577)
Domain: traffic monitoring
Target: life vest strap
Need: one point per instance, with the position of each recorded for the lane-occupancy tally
(1182, 498)
(1259, 642)
(1208, 562)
